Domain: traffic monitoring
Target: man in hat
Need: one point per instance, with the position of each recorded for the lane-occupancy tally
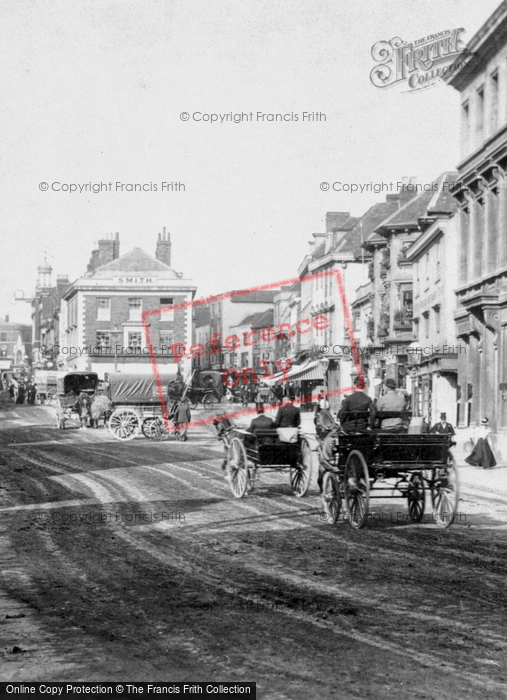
(288, 416)
(262, 421)
(357, 412)
(443, 428)
(392, 401)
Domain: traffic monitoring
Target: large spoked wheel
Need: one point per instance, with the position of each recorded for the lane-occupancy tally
(416, 498)
(331, 497)
(301, 474)
(193, 404)
(208, 401)
(356, 489)
(124, 424)
(237, 468)
(445, 494)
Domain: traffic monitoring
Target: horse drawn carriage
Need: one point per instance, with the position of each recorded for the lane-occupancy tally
(359, 465)
(69, 387)
(247, 453)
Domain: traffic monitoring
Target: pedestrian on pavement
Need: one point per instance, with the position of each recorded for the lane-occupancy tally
(443, 428)
(482, 455)
(182, 417)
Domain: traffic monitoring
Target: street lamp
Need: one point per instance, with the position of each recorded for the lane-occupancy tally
(115, 332)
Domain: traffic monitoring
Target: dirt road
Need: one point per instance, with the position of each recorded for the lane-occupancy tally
(133, 561)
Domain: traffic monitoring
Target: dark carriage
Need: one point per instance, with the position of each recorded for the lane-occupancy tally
(362, 461)
(69, 387)
(247, 453)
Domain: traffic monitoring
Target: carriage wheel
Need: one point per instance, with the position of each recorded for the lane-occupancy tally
(237, 468)
(445, 494)
(193, 404)
(331, 497)
(301, 474)
(356, 489)
(124, 424)
(416, 498)
(208, 401)
(153, 429)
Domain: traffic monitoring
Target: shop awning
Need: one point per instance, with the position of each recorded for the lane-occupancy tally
(5, 364)
(305, 372)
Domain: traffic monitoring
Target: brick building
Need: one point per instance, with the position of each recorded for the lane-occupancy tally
(101, 326)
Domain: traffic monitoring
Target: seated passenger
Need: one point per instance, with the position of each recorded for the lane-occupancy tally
(261, 422)
(392, 401)
(288, 416)
(357, 412)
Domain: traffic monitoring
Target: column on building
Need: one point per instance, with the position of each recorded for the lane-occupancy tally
(492, 228)
(464, 229)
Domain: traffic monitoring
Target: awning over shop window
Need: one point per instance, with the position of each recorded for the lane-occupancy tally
(5, 364)
(305, 372)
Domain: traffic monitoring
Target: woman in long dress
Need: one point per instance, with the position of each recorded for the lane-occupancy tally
(482, 455)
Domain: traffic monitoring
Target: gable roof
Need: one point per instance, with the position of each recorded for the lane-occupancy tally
(435, 199)
(136, 261)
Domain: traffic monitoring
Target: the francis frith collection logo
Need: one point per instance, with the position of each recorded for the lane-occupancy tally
(420, 63)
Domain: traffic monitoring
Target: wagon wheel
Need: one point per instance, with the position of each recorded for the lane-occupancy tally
(153, 429)
(208, 401)
(193, 404)
(445, 494)
(237, 468)
(300, 475)
(416, 498)
(356, 489)
(331, 497)
(124, 424)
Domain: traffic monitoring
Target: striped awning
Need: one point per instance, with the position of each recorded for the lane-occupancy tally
(305, 372)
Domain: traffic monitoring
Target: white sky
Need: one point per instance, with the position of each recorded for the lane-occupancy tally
(92, 91)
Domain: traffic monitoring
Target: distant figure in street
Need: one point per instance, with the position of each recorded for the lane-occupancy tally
(288, 416)
(12, 391)
(291, 391)
(21, 393)
(182, 417)
(392, 401)
(443, 428)
(31, 394)
(357, 412)
(482, 455)
(322, 403)
(83, 406)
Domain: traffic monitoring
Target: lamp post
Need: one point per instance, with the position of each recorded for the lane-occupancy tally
(115, 332)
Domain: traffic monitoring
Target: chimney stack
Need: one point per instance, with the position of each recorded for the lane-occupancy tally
(163, 249)
(108, 250)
